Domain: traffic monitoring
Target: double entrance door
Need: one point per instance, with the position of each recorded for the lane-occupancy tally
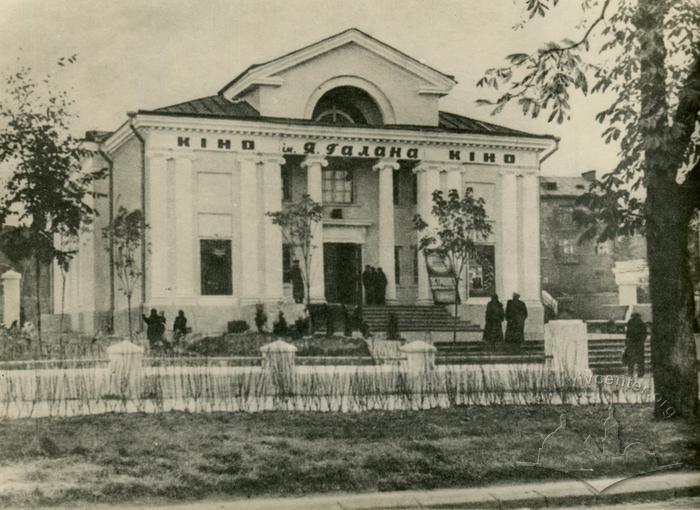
(342, 266)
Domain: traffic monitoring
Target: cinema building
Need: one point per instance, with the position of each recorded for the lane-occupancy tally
(350, 121)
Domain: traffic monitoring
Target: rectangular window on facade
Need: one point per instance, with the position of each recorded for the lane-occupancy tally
(481, 272)
(215, 261)
(286, 263)
(397, 264)
(286, 183)
(414, 253)
(396, 188)
(567, 251)
(337, 186)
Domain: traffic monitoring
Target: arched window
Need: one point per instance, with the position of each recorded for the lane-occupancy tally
(347, 105)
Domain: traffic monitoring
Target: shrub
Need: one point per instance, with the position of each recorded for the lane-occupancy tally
(237, 326)
(260, 317)
(280, 327)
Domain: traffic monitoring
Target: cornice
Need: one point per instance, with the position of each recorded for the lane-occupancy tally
(354, 134)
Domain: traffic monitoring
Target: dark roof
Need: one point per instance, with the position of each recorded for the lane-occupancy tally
(216, 106)
(97, 136)
(556, 186)
(449, 120)
(219, 107)
(255, 66)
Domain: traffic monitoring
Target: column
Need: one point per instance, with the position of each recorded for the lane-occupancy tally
(455, 181)
(530, 214)
(250, 249)
(11, 297)
(509, 233)
(386, 168)
(157, 220)
(314, 165)
(184, 219)
(428, 181)
(272, 173)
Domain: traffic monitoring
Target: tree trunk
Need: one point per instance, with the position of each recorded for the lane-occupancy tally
(672, 341)
(37, 270)
(128, 315)
(667, 216)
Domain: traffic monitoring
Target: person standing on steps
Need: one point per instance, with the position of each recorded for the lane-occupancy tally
(493, 327)
(179, 327)
(516, 313)
(381, 287)
(367, 284)
(153, 329)
(373, 297)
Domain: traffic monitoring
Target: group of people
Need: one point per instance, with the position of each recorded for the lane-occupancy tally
(156, 326)
(374, 281)
(515, 314)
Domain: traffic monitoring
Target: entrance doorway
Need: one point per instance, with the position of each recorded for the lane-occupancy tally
(342, 265)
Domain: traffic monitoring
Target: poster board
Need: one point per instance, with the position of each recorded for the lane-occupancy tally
(440, 277)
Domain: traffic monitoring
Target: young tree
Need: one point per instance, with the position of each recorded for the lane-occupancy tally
(461, 224)
(652, 76)
(124, 237)
(298, 221)
(47, 194)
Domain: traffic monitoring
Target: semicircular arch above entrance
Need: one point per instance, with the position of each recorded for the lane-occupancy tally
(352, 82)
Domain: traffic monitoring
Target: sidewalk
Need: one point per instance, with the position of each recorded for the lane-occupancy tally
(536, 495)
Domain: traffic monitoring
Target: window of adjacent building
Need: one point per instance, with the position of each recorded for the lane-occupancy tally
(286, 183)
(286, 263)
(215, 261)
(397, 264)
(337, 186)
(564, 217)
(567, 251)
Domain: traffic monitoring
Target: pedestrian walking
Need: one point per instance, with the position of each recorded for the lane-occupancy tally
(493, 327)
(635, 338)
(297, 282)
(516, 313)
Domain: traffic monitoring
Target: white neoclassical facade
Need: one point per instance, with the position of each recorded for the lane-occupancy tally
(350, 121)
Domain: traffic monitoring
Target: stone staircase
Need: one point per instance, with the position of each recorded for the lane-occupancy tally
(605, 354)
(464, 353)
(414, 318)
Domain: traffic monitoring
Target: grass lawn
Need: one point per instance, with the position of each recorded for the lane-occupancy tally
(122, 457)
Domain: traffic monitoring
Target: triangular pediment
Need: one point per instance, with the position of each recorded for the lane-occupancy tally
(268, 73)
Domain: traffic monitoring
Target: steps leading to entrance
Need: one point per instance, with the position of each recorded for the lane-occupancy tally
(605, 356)
(414, 318)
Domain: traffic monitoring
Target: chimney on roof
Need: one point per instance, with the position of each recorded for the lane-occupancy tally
(589, 176)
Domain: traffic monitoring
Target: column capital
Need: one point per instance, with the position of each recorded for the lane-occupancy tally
(249, 157)
(513, 172)
(428, 166)
(273, 158)
(314, 159)
(390, 163)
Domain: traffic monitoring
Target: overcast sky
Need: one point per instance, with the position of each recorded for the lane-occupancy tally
(151, 53)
